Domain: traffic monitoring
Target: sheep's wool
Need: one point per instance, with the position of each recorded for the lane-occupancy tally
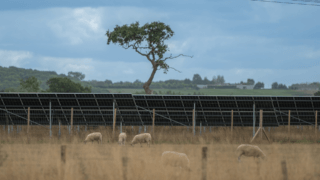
(122, 138)
(175, 159)
(249, 151)
(96, 136)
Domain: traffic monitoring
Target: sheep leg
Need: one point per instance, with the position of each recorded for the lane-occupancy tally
(239, 158)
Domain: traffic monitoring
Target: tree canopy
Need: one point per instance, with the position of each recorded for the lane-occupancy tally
(78, 75)
(66, 85)
(259, 85)
(30, 85)
(250, 81)
(197, 79)
(148, 38)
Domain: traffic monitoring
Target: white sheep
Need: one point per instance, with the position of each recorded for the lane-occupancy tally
(96, 136)
(141, 138)
(175, 159)
(249, 151)
(122, 138)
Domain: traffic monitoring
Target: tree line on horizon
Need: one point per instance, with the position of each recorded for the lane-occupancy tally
(15, 79)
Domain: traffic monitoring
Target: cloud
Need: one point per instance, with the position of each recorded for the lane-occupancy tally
(76, 25)
(312, 54)
(14, 58)
(83, 24)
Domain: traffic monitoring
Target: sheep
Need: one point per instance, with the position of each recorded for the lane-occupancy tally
(250, 151)
(122, 138)
(141, 138)
(175, 159)
(96, 136)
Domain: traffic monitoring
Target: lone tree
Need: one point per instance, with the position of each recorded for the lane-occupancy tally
(149, 38)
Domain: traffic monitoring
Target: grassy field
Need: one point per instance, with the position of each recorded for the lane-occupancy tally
(270, 92)
(40, 157)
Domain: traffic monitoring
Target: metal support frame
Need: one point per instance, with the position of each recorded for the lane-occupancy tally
(114, 117)
(295, 118)
(5, 107)
(254, 118)
(118, 108)
(137, 110)
(21, 117)
(184, 109)
(194, 118)
(274, 111)
(295, 104)
(65, 117)
(151, 114)
(280, 110)
(166, 108)
(205, 119)
(41, 107)
(50, 119)
(235, 100)
(162, 116)
(100, 110)
(59, 134)
(221, 112)
(120, 126)
(80, 109)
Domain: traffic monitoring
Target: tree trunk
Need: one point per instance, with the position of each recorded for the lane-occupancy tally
(148, 83)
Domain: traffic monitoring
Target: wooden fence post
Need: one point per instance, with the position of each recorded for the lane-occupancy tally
(204, 163)
(114, 122)
(124, 166)
(315, 127)
(231, 123)
(289, 113)
(63, 154)
(63, 161)
(28, 123)
(154, 117)
(193, 124)
(59, 133)
(284, 170)
(261, 121)
(71, 120)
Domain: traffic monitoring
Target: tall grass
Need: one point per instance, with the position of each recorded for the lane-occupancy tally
(162, 134)
(39, 157)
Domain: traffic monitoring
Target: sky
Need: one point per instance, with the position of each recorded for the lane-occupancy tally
(239, 39)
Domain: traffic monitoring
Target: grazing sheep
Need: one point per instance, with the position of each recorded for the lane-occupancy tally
(122, 138)
(175, 159)
(96, 136)
(141, 138)
(249, 151)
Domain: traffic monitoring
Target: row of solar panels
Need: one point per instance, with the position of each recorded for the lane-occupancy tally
(97, 109)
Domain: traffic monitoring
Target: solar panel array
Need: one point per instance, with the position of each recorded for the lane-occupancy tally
(175, 110)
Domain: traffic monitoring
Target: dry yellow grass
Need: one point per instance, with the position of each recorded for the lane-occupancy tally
(40, 158)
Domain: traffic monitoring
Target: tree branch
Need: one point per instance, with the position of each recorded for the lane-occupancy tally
(170, 57)
(175, 69)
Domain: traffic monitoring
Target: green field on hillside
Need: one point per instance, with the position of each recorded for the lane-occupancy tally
(265, 92)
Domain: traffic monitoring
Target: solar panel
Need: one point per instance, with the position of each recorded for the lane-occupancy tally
(97, 109)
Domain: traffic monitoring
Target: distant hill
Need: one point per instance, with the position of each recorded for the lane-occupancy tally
(9, 79)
